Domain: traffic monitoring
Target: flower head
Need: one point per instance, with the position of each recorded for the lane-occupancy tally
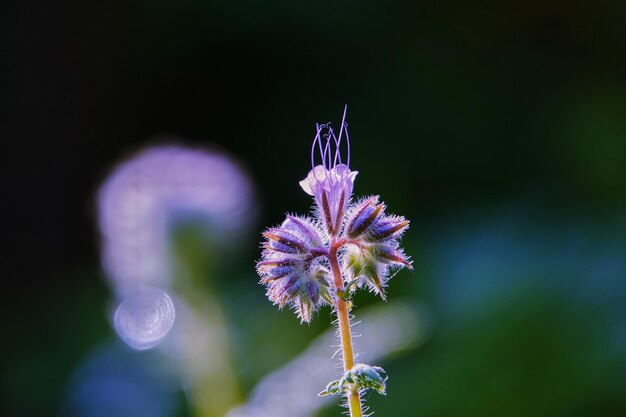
(331, 182)
(295, 267)
(306, 263)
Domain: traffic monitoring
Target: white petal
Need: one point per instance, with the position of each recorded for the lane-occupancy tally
(306, 186)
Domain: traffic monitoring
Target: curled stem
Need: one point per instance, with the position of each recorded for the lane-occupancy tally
(353, 397)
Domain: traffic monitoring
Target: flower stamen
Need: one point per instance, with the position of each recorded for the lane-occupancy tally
(325, 139)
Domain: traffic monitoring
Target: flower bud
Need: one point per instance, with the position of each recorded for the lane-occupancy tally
(289, 268)
(365, 270)
(363, 216)
(368, 221)
(387, 228)
(369, 264)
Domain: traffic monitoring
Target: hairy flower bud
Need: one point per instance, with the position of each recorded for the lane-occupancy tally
(370, 264)
(362, 216)
(364, 270)
(367, 220)
(289, 268)
(387, 228)
(373, 249)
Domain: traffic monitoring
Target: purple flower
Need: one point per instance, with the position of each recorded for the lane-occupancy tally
(290, 268)
(332, 190)
(331, 182)
(295, 267)
(144, 196)
(307, 263)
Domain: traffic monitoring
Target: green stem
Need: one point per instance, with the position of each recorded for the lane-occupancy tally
(354, 400)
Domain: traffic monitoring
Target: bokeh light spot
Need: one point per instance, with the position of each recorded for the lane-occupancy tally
(143, 319)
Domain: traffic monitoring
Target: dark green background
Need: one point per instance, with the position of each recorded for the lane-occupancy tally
(498, 128)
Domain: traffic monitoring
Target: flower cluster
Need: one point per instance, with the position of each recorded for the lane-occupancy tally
(347, 245)
(295, 266)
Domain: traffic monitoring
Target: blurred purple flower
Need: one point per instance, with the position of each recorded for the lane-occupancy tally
(142, 197)
(138, 204)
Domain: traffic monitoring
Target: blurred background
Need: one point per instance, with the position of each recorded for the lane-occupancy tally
(497, 128)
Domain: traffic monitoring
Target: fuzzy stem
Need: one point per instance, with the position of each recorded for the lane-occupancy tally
(354, 400)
